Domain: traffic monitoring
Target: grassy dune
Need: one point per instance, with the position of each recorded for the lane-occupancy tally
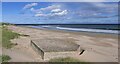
(7, 35)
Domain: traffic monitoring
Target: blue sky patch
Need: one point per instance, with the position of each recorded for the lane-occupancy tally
(60, 12)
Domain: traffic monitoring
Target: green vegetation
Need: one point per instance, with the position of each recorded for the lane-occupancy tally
(4, 58)
(0, 36)
(5, 39)
(7, 35)
(5, 23)
(67, 59)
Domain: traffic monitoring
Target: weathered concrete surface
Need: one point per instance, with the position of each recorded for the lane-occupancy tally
(56, 45)
(51, 55)
(52, 48)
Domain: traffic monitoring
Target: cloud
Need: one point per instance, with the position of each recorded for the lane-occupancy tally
(30, 5)
(49, 11)
(97, 9)
(106, 8)
(51, 7)
(55, 10)
(62, 13)
(32, 9)
(35, 10)
(38, 15)
(99, 4)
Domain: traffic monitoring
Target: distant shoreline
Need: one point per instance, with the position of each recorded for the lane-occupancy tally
(94, 34)
(49, 27)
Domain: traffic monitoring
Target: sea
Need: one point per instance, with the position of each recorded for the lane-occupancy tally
(94, 28)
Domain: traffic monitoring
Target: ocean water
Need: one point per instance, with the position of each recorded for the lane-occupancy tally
(107, 28)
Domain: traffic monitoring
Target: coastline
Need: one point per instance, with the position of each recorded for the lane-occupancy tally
(99, 47)
(94, 34)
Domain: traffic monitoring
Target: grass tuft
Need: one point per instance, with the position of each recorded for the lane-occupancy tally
(5, 58)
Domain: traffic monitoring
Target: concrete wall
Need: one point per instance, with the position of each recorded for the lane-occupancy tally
(51, 55)
(37, 49)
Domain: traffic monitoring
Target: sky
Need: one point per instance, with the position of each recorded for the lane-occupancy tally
(0, 12)
(60, 0)
(60, 12)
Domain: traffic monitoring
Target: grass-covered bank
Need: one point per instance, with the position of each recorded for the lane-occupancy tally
(7, 35)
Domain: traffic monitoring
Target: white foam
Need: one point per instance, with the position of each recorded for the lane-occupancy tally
(46, 26)
(90, 30)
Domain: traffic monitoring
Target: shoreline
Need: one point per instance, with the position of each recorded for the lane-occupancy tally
(94, 34)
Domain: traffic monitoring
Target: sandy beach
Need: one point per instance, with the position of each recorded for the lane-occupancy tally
(98, 47)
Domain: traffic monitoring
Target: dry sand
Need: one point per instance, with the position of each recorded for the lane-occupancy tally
(98, 47)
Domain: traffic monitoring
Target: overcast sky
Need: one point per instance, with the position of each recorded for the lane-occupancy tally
(61, 12)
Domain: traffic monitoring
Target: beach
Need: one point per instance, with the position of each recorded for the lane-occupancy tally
(98, 47)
